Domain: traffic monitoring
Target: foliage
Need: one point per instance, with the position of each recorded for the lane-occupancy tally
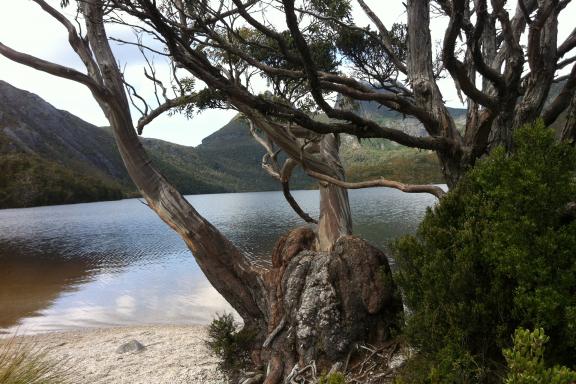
(21, 364)
(494, 255)
(364, 49)
(230, 344)
(339, 9)
(28, 180)
(332, 378)
(526, 361)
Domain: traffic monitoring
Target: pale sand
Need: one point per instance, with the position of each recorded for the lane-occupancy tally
(173, 355)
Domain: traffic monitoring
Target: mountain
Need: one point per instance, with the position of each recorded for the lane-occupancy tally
(49, 156)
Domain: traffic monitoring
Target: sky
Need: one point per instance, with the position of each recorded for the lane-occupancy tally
(25, 27)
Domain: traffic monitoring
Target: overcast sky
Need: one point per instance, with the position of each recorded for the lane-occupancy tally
(25, 27)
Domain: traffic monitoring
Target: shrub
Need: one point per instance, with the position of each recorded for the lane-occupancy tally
(493, 255)
(230, 344)
(526, 361)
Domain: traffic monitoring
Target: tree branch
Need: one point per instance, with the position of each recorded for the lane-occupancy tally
(455, 67)
(270, 165)
(286, 172)
(164, 107)
(408, 188)
(562, 101)
(384, 37)
(52, 68)
(79, 45)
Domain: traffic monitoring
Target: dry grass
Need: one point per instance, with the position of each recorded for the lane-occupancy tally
(22, 363)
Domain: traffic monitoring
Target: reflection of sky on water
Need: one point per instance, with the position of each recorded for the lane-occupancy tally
(116, 263)
(171, 292)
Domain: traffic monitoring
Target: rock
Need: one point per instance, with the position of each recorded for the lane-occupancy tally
(132, 346)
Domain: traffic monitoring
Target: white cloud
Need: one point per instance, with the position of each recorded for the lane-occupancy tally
(125, 305)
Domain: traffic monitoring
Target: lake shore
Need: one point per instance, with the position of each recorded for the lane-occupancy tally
(171, 355)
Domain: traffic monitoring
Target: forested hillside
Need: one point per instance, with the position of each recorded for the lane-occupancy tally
(49, 156)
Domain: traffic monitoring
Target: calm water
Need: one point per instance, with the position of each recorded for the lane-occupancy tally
(116, 263)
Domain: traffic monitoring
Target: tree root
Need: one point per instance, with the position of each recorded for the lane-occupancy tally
(365, 364)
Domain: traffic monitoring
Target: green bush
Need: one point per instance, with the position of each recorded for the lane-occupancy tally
(493, 255)
(526, 361)
(230, 344)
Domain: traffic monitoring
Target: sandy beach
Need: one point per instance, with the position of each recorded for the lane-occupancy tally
(172, 355)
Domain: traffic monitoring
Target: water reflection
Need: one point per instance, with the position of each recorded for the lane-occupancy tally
(28, 288)
(116, 263)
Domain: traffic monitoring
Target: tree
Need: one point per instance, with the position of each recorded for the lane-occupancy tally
(326, 290)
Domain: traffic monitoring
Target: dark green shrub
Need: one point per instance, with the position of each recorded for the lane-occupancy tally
(229, 343)
(526, 361)
(493, 255)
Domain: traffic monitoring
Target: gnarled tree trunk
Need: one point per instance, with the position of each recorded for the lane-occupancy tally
(323, 302)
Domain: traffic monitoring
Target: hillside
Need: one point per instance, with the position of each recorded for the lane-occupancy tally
(49, 156)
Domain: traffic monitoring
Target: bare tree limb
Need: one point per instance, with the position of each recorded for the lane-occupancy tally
(169, 104)
(568, 44)
(79, 45)
(270, 165)
(408, 188)
(456, 68)
(285, 179)
(562, 101)
(525, 11)
(52, 68)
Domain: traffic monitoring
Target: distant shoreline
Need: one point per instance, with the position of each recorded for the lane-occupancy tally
(173, 354)
(184, 194)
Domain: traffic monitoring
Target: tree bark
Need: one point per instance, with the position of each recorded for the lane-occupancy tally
(568, 132)
(426, 90)
(335, 215)
(323, 302)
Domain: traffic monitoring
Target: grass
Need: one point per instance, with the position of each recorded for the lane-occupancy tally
(28, 364)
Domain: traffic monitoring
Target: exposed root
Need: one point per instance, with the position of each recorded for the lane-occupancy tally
(365, 364)
(376, 365)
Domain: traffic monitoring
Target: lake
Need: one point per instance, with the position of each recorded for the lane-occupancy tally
(116, 263)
